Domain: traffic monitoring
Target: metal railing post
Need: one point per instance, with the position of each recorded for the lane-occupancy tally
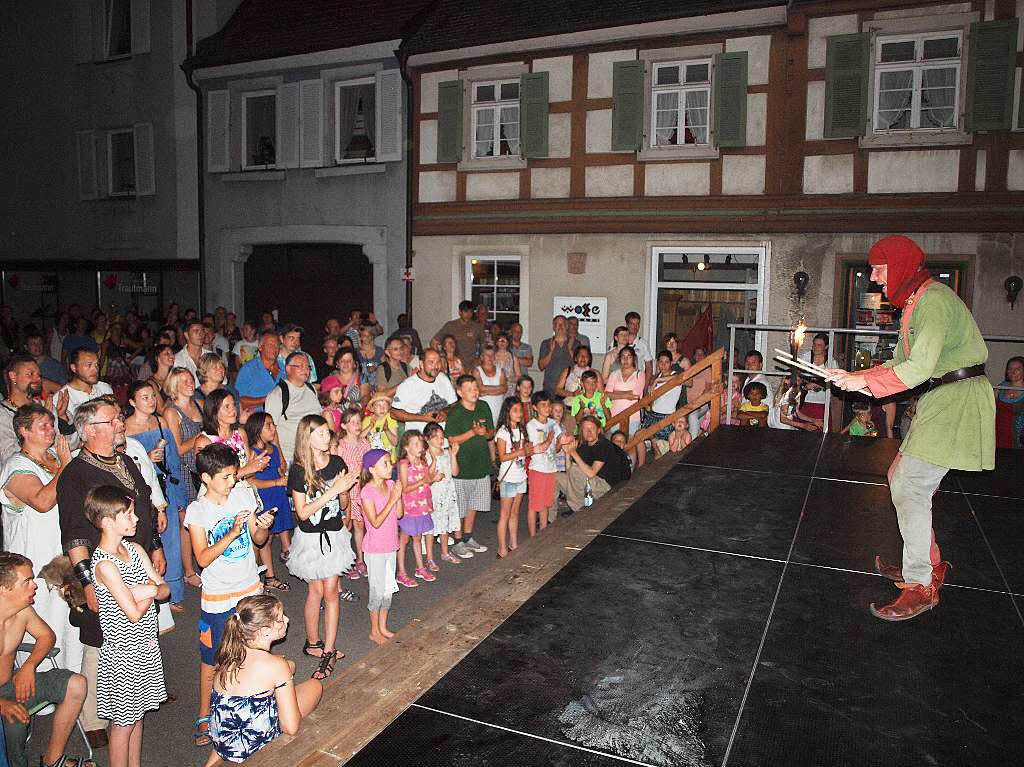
(728, 383)
(828, 389)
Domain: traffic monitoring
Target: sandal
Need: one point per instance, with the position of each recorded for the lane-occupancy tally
(176, 607)
(451, 558)
(326, 667)
(201, 736)
(405, 580)
(283, 556)
(66, 761)
(274, 582)
(193, 580)
(432, 566)
(348, 596)
(313, 646)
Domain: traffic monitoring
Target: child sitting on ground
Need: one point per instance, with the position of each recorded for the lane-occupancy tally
(861, 425)
(754, 410)
(619, 440)
(678, 439)
(254, 698)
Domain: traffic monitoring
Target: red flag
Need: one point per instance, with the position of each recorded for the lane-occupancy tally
(701, 335)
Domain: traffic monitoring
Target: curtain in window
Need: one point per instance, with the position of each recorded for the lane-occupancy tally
(483, 141)
(895, 94)
(350, 98)
(509, 131)
(666, 118)
(696, 117)
(938, 98)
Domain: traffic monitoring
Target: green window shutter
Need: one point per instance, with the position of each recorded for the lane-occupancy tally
(449, 121)
(991, 60)
(730, 99)
(533, 114)
(627, 105)
(847, 61)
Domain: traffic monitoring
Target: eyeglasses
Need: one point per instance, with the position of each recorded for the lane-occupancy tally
(118, 419)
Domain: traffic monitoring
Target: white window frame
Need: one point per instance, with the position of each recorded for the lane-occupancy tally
(696, 253)
(107, 22)
(110, 164)
(918, 65)
(496, 106)
(338, 159)
(496, 259)
(681, 89)
(245, 128)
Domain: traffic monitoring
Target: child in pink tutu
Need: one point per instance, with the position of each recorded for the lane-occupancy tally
(415, 477)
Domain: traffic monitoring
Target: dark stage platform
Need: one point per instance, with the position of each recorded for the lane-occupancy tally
(723, 619)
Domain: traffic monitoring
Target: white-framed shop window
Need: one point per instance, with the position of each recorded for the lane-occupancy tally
(355, 120)
(495, 121)
(687, 280)
(496, 282)
(680, 103)
(259, 130)
(917, 82)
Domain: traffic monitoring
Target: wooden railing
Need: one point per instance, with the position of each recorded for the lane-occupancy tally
(712, 395)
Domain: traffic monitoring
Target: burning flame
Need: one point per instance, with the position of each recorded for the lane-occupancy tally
(798, 335)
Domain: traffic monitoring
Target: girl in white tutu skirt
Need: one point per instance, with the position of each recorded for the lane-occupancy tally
(321, 546)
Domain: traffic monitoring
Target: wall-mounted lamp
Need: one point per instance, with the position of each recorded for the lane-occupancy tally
(800, 280)
(1013, 285)
(705, 264)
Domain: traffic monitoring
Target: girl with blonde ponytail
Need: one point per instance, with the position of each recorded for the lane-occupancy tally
(254, 698)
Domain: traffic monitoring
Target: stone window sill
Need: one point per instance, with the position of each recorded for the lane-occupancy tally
(493, 163)
(253, 175)
(349, 170)
(679, 153)
(897, 140)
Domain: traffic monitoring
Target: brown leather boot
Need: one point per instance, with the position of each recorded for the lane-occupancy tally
(913, 600)
(895, 572)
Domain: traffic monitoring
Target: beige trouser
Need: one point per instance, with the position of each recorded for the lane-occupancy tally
(88, 718)
(573, 483)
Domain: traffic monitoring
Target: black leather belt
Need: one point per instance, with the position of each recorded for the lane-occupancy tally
(957, 375)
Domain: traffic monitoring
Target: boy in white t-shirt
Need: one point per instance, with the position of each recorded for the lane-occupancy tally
(245, 349)
(223, 524)
(542, 430)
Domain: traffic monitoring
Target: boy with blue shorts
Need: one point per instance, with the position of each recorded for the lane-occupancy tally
(223, 524)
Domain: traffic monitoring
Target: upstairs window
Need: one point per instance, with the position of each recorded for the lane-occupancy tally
(680, 103)
(355, 120)
(917, 82)
(118, 38)
(259, 130)
(496, 118)
(121, 153)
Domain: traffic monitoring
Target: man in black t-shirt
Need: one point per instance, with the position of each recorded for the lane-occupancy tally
(595, 460)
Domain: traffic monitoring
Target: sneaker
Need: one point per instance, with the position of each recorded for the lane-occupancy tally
(406, 581)
(425, 574)
(361, 567)
(461, 550)
(432, 566)
(475, 547)
(451, 558)
(353, 573)
(451, 541)
(348, 596)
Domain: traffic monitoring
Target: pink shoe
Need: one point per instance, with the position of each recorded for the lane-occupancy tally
(425, 574)
(361, 567)
(353, 573)
(406, 581)
(451, 558)
(432, 566)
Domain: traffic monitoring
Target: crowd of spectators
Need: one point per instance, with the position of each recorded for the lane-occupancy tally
(140, 460)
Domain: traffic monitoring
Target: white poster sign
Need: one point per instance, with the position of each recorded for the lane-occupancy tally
(592, 312)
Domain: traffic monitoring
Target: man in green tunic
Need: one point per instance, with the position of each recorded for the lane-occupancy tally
(940, 345)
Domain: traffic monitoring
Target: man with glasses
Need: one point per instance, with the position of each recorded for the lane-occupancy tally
(290, 400)
(100, 428)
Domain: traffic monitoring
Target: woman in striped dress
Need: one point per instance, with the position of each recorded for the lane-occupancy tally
(130, 676)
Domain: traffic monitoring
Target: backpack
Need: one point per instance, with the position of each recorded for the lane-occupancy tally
(286, 395)
(387, 370)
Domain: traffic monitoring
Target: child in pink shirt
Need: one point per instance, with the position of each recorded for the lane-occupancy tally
(381, 501)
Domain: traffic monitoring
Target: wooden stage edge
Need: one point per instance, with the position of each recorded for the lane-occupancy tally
(363, 699)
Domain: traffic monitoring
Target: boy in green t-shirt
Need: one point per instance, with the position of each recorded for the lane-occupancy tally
(590, 401)
(470, 426)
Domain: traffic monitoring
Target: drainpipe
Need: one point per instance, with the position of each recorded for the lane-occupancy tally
(200, 157)
(403, 63)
